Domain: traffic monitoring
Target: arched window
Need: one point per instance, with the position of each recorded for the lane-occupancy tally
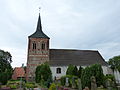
(43, 45)
(58, 70)
(34, 45)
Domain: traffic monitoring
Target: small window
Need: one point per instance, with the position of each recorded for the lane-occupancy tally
(58, 70)
(43, 45)
(34, 45)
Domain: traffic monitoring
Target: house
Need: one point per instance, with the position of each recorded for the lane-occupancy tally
(18, 73)
(59, 59)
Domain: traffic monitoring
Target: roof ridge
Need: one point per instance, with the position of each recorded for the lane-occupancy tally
(75, 50)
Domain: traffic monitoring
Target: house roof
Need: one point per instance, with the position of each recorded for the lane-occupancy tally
(19, 72)
(39, 33)
(64, 57)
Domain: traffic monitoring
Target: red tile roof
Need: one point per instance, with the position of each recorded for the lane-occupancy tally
(18, 72)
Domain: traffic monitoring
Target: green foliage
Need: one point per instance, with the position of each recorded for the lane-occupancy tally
(70, 70)
(43, 74)
(52, 87)
(5, 66)
(97, 71)
(75, 71)
(115, 63)
(37, 74)
(93, 70)
(3, 78)
(63, 79)
(109, 76)
(30, 85)
(80, 71)
(13, 86)
(85, 77)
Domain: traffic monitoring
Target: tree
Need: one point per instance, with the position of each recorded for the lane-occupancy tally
(85, 77)
(115, 63)
(80, 71)
(93, 70)
(43, 73)
(97, 71)
(5, 66)
(70, 70)
(75, 71)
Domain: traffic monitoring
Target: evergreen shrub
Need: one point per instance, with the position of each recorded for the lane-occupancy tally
(52, 86)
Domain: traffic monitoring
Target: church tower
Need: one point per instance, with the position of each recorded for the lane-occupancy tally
(38, 50)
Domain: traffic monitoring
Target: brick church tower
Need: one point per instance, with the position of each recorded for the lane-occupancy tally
(38, 51)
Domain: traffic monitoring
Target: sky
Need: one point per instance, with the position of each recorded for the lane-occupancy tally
(70, 24)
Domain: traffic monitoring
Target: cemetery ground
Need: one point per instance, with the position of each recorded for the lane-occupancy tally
(89, 78)
(16, 84)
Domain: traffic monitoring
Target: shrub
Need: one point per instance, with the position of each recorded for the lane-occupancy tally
(85, 77)
(63, 79)
(97, 71)
(93, 70)
(109, 76)
(52, 86)
(75, 71)
(13, 86)
(4, 78)
(70, 70)
(43, 74)
(80, 71)
(30, 85)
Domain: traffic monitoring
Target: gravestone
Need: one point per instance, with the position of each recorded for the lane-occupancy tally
(93, 83)
(118, 87)
(73, 83)
(108, 84)
(79, 84)
(66, 82)
(86, 88)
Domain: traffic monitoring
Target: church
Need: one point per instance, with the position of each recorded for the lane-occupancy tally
(59, 59)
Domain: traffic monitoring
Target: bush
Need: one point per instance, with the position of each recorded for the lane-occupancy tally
(85, 77)
(70, 70)
(97, 71)
(13, 86)
(43, 74)
(3, 78)
(63, 79)
(93, 70)
(80, 71)
(30, 85)
(52, 86)
(109, 76)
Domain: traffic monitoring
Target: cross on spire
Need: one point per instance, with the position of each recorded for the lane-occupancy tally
(39, 9)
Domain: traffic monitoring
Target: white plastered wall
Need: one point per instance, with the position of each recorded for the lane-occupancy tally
(106, 70)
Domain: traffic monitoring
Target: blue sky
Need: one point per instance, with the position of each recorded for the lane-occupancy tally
(71, 24)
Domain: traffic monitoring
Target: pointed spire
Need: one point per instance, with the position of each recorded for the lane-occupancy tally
(39, 26)
(39, 33)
